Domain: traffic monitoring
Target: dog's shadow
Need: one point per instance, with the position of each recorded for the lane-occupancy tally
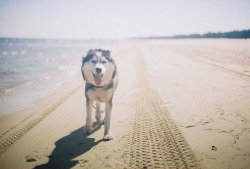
(70, 147)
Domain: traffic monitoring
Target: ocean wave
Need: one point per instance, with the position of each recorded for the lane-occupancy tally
(4, 53)
(9, 53)
(13, 52)
(43, 79)
(8, 90)
(23, 52)
(33, 82)
(63, 68)
(6, 72)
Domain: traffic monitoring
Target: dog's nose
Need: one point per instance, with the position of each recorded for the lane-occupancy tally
(98, 70)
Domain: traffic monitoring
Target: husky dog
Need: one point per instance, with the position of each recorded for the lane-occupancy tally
(100, 73)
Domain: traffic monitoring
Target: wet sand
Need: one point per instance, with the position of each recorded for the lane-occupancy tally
(179, 103)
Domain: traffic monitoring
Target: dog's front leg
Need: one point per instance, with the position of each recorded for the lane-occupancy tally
(88, 126)
(107, 121)
(98, 113)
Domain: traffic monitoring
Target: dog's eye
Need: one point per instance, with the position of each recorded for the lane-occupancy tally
(93, 61)
(103, 62)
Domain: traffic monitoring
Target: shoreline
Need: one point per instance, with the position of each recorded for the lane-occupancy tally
(13, 122)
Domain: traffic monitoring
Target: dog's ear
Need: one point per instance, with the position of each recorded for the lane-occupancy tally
(82, 67)
(89, 56)
(106, 53)
(91, 52)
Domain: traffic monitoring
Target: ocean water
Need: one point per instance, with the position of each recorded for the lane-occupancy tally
(31, 69)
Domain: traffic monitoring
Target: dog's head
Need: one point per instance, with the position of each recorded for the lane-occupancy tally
(98, 68)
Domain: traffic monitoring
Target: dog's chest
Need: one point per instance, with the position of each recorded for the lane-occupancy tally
(101, 95)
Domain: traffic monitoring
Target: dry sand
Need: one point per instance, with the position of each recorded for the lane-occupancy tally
(176, 99)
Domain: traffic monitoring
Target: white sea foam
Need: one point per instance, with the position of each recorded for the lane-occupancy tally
(7, 90)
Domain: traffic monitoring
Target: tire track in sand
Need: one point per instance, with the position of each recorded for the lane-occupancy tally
(15, 133)
(154, 140)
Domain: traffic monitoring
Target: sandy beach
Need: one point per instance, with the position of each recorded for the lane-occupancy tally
(179, 104)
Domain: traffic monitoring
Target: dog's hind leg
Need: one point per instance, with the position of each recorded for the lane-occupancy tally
(88, 126)
(107, 121)
(98, 113)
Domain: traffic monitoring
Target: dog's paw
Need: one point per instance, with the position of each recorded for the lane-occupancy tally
(87, 130)
(108, 136)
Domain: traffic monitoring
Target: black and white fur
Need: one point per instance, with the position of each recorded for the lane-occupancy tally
(100, 73)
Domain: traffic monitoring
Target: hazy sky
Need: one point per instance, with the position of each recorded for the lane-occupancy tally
(87, 19)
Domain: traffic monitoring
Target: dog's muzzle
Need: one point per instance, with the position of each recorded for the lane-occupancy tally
(98, 70)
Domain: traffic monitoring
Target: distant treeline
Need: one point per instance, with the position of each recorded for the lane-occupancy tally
(245, 34)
